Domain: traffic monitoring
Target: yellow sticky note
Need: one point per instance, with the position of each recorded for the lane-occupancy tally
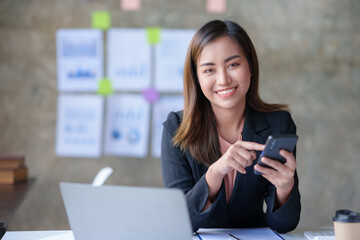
(105, 87)
(216, 6)
(130, 5)
(153, 35)
(101, 19)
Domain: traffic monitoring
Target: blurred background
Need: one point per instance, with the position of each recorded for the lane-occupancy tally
(309, 54)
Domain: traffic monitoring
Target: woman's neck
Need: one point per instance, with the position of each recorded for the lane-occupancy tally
(229, 122)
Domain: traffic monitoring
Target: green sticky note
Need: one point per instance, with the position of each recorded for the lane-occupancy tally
(105, 87)
(153, 35)
(101, 19)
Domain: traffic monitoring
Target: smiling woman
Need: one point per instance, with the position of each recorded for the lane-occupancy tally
(209, 148)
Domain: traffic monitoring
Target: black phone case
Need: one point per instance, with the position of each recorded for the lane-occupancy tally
(273, 145)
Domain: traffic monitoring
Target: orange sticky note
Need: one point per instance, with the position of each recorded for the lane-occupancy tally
(216, 6)
(130, 5)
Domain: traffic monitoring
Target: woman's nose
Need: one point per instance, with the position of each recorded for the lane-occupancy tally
(223, 77)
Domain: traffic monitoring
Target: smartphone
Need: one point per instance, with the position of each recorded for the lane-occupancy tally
(273, 145)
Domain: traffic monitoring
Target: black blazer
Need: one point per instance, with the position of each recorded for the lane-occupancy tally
(245, 208)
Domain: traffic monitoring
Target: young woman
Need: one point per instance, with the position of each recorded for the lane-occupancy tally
(209, 148)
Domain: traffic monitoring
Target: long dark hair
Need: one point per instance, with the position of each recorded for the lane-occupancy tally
(196, 133)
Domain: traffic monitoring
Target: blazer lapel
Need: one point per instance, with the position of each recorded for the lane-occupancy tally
(256, 128)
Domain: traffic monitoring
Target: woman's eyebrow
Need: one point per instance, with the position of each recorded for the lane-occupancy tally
(206, 64)
(226, 60)
(231, 58)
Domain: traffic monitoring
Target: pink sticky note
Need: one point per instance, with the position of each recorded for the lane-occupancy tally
(130, 5)
(151, 94)
(216, 6)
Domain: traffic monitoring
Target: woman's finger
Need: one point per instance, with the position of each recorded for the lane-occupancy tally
(238, 166)
(251, 145)
(290, 159)
(264, 170)
(274, 164)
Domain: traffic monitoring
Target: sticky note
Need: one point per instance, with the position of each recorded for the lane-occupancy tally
(151, 95)
(105, 87)
(153, 35)
(216, 6)
(130, 5)
(101, 19)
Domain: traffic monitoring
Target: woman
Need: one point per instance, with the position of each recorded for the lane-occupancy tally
(209, 148)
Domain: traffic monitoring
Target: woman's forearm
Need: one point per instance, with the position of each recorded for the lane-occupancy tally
(213, 180)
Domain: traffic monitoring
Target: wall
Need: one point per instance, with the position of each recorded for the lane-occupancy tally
(309, 53)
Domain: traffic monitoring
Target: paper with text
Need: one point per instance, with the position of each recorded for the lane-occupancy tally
(79, 125)
(241, 233)
(170, 55)
(62, 236)
(162, 108)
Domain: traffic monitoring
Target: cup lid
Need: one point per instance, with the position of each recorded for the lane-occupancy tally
(345, 215)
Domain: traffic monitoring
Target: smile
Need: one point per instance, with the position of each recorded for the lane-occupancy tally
(227, 91)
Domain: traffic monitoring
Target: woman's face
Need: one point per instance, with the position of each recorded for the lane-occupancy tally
(224, 74)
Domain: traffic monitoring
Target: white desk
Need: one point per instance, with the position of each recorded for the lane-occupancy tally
(36, 235)
(297, 234)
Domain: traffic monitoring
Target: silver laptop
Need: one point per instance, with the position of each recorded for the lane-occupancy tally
(124, 212)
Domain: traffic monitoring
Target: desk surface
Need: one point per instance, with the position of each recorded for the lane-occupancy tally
(10, 198)
(297, 234)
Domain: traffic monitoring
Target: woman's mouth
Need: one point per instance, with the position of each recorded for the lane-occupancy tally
(226, 91)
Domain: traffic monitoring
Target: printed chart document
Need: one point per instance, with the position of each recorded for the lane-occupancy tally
(79, 59)
(162, 108)
(170, 55)
(240, 233)
(79, 125)
(127, 125)
(129, 59)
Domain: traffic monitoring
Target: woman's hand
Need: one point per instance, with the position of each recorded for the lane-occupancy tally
(281, 176)
(239, 156)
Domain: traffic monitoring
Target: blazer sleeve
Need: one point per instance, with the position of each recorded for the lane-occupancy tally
(177, 173)
(285, 218)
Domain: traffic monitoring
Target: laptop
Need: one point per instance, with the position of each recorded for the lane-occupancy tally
(124, 212)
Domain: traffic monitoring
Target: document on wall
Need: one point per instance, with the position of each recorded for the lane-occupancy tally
(170, 55)
(79, 125)
(240, 233)
(127, 125)
(162, 108)
(79, 59)
(128, 59)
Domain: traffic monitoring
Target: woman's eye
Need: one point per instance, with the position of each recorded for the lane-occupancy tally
(208, 70)
(233, 65)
